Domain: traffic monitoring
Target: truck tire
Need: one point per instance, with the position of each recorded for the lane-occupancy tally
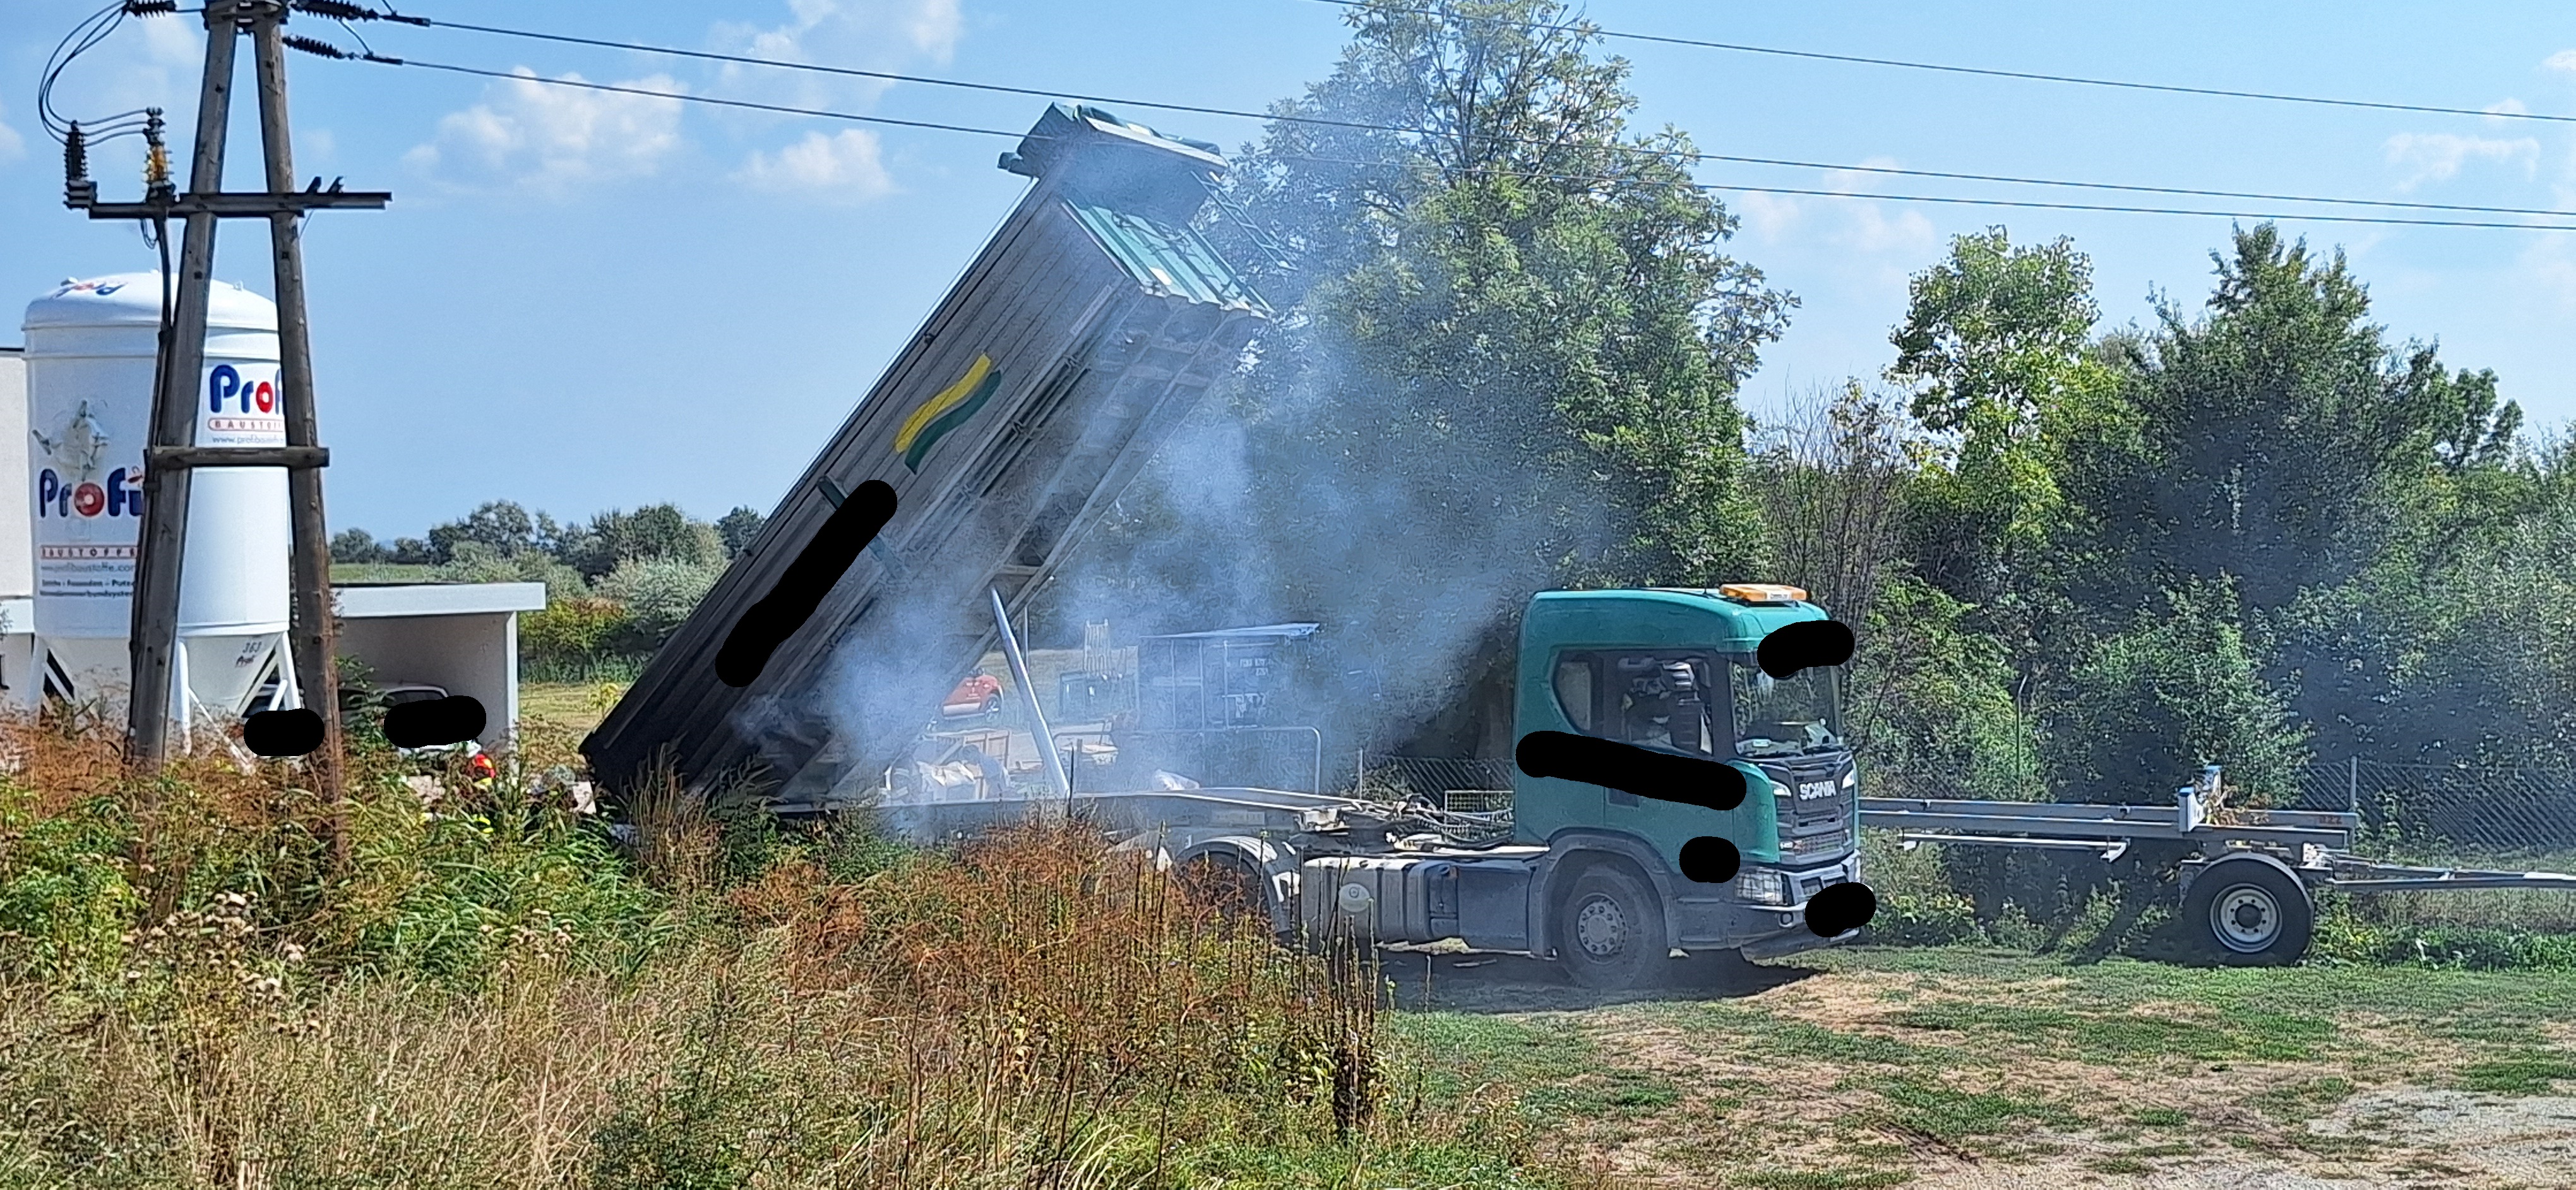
(1610, 930)
(2249, 914)
(1226, 885)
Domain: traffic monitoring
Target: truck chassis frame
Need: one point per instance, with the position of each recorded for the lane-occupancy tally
(2309, 851)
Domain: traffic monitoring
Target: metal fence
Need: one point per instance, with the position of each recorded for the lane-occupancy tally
(2439, 809)
(1446, 782)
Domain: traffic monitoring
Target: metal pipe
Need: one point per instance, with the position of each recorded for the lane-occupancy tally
(1029, 694)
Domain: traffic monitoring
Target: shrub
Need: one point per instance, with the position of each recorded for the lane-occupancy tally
(571, 632)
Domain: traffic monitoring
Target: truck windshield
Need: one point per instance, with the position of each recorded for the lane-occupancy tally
(1781, 716)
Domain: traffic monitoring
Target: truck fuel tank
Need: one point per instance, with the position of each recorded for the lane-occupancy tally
(1481, 897)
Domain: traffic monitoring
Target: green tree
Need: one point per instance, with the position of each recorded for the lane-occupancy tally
(499, 524)
(653, 532)
(658, 594)
(476, 562)
(1932, 712)
(2177, 687)
(2280, 436)
(736, 529)
(356, 547)
(1508, 347)
(1995, 349)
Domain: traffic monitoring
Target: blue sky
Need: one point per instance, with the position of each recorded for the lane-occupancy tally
(581, 301)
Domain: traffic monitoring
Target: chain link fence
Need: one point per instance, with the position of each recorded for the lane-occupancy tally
(2439, 812)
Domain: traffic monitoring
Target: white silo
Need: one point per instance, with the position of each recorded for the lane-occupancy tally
(91, 346)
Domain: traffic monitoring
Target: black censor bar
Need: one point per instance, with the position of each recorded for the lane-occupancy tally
(1631, 769)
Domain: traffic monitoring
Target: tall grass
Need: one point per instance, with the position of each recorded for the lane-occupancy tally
(490, 993)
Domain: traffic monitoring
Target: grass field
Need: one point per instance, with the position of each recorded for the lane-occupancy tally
(1943, 1067)
(574, 705)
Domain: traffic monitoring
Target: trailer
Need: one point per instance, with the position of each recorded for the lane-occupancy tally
(2249, 878)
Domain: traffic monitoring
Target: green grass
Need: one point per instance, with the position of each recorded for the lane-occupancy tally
(2302, 1101)
(571, 704)
(2115, 1037)
(2521, 1074)
(1765, 1033)
(384, 572)
(2159, 1117)
(1924, 1107)
(2447, 998)
(1555, 1069)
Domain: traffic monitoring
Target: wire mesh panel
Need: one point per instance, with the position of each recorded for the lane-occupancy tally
(1447, 782)
(2440, 811)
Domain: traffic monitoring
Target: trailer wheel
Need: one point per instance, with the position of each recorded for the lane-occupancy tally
(2250, 914)
(1610, 930)
(1226, 885)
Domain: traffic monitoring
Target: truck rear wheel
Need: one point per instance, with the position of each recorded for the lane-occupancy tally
(1610, 931)
(1226, 885)
(2248, 914)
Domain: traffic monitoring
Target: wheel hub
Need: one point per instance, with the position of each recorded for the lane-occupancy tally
(2245, 918)
(1600, 928)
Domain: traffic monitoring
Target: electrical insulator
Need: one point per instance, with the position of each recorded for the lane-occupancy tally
(156, 156)
(78, 190)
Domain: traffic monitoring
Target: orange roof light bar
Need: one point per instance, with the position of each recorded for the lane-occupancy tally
(1763, 593)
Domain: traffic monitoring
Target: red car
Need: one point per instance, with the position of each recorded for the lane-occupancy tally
(974, 696)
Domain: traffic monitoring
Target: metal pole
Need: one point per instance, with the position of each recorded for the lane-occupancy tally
(314, 634)
(1029, 694)
(2352, 785)
(159, 562)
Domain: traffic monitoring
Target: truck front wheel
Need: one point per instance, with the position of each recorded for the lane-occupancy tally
(1610, 932)
(2249, 914)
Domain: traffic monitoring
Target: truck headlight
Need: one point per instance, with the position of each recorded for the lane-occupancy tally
(1762, 887)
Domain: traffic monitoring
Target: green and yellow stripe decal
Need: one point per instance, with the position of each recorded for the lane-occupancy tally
(946, 411)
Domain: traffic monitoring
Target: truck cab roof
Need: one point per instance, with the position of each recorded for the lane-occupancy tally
(1702, 616)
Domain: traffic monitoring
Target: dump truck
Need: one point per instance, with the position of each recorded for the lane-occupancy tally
(1093, 320)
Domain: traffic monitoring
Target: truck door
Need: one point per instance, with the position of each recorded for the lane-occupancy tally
(1665, 699)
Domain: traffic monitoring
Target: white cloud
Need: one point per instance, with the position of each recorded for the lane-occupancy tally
(2438, 156)
(1873, 229)
(554, 139)
(2562, 60)
(840, 167)
(1862, 226)
(1768, 216)
(868, 34)
(12, 145)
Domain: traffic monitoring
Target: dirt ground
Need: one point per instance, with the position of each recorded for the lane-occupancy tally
(1975, 1070)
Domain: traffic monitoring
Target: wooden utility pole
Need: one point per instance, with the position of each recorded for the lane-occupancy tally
(314, 634)
(173, 452)
(163, 549)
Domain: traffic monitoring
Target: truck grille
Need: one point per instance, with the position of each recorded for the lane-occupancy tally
(1815, 807)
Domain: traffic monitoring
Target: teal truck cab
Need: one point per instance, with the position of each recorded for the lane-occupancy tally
(1591, 876)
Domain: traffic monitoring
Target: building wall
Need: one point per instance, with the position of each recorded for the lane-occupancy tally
(17, 540)
(474, 655)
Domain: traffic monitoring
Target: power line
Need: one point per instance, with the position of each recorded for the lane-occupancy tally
(1296, 118)
(2029, 76)
(821, 113)
(827, 113)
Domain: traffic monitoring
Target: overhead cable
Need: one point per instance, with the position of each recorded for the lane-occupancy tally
(830, 114)
(2028, 76)
(1297, 118)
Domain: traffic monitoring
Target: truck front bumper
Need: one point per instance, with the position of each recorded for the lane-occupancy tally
(1797, 941)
